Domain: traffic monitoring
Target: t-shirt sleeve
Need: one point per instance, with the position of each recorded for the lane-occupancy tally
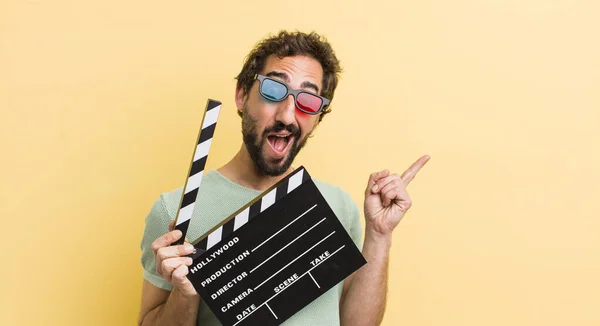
(355, 229)
(157, 224)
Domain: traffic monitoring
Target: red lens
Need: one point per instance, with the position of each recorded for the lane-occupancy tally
(309, 102)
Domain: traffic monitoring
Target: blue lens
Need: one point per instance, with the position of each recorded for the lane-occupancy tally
(273, 90)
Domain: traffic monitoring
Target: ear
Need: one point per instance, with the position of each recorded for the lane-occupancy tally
(240, 98)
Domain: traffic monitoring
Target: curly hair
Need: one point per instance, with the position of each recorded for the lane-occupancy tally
(286, 44)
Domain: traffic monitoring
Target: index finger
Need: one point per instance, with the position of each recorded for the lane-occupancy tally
(412, 171)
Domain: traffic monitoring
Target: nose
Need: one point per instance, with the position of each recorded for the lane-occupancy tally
(286, 111)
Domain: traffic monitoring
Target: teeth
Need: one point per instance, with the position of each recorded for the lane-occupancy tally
(281, 136)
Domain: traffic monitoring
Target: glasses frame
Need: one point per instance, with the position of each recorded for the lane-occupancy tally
(290, 91)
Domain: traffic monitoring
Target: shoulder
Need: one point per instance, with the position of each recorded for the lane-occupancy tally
(211, 184)
(170, 200)
(340, 201)
(164, 209)
(344, 208)
(332, 193)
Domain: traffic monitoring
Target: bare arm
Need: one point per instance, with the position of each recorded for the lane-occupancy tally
(364, 295)
(161, 307)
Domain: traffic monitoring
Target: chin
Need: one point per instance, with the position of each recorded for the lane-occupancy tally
(274, 168)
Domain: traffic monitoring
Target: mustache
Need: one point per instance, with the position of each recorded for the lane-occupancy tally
(280, 126)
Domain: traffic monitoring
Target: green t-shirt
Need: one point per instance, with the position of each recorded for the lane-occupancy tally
(218, 198)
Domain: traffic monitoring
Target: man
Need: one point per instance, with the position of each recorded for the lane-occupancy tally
(275, 126)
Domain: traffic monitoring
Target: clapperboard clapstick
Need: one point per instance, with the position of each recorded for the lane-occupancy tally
(273, 256)
(258, 205)
(196, 169)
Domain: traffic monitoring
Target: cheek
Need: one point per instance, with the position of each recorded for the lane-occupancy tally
(306, 121)
(303, 116)
(261, 113)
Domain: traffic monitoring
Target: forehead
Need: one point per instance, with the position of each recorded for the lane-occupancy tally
(299, 68)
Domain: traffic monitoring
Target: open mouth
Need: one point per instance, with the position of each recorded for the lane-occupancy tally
(280, 143)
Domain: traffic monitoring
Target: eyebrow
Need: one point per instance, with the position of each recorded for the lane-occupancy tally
(284, 76)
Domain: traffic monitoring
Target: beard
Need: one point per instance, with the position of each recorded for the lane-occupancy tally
(255, 144)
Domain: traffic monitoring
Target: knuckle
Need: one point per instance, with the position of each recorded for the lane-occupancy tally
(180, 273)
(155, 246)
(177, 274)
(164, 266)
(160, 253)
(179, 250)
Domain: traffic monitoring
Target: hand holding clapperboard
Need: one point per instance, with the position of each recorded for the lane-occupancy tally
(274, 255)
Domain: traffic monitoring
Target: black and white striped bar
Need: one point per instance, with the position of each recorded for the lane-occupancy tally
(196, 170)
(235, 222)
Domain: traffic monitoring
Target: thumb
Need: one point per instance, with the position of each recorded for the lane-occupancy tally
(172, 227)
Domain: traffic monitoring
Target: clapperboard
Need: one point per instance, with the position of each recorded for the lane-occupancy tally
(273, 256)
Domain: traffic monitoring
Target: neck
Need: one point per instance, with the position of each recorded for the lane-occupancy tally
(242, 170)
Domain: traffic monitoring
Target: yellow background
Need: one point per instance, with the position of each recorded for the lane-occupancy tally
(101, 101)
